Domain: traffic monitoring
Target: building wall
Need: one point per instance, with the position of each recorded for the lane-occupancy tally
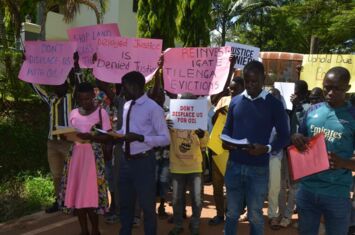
(118, 11)
(127, 19)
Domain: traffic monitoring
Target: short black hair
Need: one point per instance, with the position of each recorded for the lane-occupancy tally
(84, 87)
(134, 78)
(342, 73)
(238, 80)
(317, 90)
(254, 66)
(302, 86)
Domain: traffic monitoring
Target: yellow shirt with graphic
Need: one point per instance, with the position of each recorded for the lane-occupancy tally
(185, 151)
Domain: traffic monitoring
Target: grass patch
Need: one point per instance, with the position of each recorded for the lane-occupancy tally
(24, 194)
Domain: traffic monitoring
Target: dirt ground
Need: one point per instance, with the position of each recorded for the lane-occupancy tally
(58, 223)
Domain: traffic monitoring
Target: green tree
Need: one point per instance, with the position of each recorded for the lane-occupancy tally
(317, 26)
(253, 17)
(194, 22)
(222, 14)
(316, 17)
(157, 19)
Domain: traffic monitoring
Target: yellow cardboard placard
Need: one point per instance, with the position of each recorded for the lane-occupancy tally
(215, 143)
(316, 66)
(221, 161)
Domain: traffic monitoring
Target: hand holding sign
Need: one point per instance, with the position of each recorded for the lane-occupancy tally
(47, 63)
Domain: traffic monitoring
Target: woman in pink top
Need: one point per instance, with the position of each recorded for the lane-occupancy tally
(83, 184)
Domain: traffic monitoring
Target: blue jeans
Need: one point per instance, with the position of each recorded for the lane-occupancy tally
(180, 181)
(250, 183)
(310, 207)
(137, 182)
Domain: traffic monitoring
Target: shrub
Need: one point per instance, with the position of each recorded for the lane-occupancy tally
(23, 137)
(24, 194)
(10, 85)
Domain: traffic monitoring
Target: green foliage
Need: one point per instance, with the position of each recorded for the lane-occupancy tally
(194, 22)
(156, 19)
(23, 137)
(343, 25)
(222, 13)
(291, 26)
(10, 85)
(24, 194)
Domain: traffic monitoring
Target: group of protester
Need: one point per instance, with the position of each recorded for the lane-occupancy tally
(148, 155)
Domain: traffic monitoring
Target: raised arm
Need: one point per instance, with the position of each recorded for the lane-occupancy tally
(157, 90)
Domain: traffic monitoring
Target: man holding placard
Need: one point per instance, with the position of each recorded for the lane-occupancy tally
(60, 103)
(251, 118)
(327, 193)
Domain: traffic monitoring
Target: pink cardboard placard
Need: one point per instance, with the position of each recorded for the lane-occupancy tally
(47, 62)
(197, 70)
(312, 161)
(117, 56)
(87, 36)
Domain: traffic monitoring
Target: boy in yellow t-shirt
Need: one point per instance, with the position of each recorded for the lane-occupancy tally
(186, 169)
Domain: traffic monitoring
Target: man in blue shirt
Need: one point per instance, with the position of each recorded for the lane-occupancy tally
(327, 193)
(252, 115)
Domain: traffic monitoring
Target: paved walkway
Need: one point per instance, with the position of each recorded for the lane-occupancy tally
(59, 224)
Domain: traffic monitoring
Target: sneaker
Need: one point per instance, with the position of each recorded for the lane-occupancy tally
(136, 222)
(112, 219)
(53, 208)
(176, 231)
(216, 220)
(285, 222)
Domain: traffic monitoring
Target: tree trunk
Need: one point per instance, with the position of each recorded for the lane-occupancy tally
(14, 9)
(314, 47)
(223, 33)
(42, 18)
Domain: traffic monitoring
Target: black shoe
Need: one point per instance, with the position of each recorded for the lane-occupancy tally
(216, 220)
(53, 208)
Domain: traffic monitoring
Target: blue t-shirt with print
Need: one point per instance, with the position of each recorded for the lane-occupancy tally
(338, 125)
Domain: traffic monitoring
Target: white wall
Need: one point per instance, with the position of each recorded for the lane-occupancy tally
(118, 11)
(127, 19)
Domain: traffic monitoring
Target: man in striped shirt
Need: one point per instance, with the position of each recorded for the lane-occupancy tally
(60, 103)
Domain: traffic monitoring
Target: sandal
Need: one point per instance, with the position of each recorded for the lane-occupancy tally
(274, 224)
